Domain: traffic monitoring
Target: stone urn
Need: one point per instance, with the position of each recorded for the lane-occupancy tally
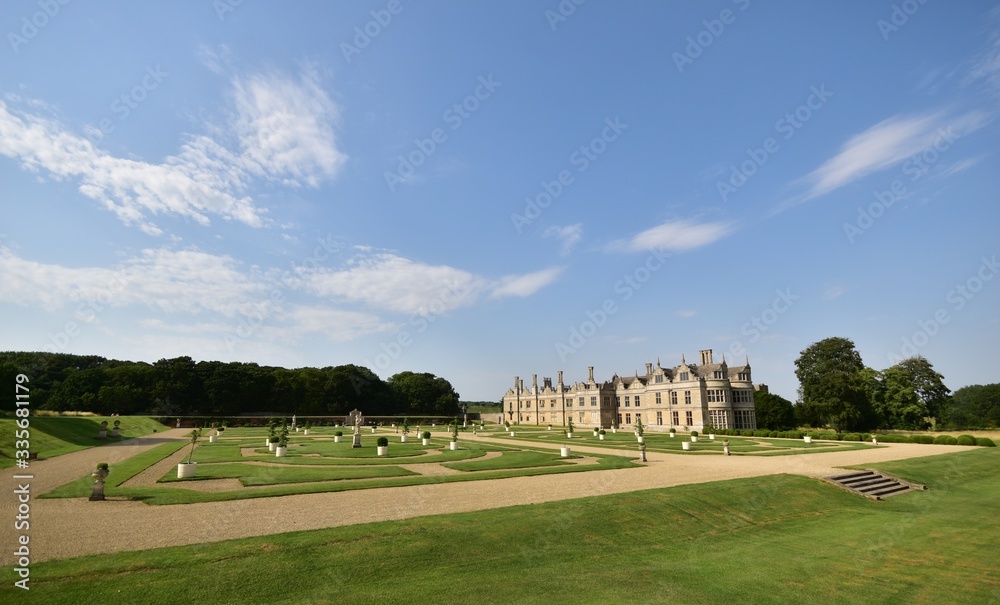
(99, 476)
(115, 429)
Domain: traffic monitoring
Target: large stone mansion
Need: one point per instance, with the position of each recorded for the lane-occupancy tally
(685, 397)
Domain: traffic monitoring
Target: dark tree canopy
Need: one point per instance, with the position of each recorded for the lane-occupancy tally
(181, 386)
(831, 384)
(975, 406)
(774, 412)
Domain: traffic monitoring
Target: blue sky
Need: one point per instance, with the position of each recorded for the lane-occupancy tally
(487, 190)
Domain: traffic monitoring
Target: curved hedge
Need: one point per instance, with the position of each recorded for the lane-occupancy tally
(966, 440)
(921, 439)
(985, 442)
(945, 440)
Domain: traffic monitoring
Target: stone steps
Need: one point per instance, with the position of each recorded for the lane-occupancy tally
(872, 484)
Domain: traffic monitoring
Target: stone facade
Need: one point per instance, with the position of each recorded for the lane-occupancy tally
(684, 397)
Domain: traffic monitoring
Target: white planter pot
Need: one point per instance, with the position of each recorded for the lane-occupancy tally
(601, 437)
(271, 446)
(305, 431)
(694, 438)
(280, 452)
(213, 438)
(641, 440)
(550, 428)
(513, 434)
(425, 442)
(186, 470)
(382, 450)
(453, 445)
(402, 438)
(614, 430)
(672, 435)
(337, 438)
(569, 435)
(267, 442)
(564, 452)
(373, 430)
(807, 439)
(711, 437)
(685, 445)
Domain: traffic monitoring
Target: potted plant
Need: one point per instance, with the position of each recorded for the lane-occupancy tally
(596, 429)
(673, 433)
(382, 446)
(601, 433)
(685, 445)
(639, 430)
(188, 469)
(694, 436)
(281, 450)
(550, 427)
(564, 451)
(100, 474)
(406, 429)
(425, 438)
(569, 429)
(454, 437)
(338, 436)
(710, 431)
(306, 427)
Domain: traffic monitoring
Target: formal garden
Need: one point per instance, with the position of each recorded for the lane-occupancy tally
(230, 463)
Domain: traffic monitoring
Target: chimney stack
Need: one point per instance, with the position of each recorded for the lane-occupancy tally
(590, 373)
(520, 385)
(516, 383)
(649, 369)
(560, 378)
(534, 383)
(706, 356)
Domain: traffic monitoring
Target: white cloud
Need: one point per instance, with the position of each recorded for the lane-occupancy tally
(674, 236)
(833, 292)
(686, 313)
(883, 145)
(336, 324)
(525, 285)
(171, 281)
(280, 129)
(387, 281)
(569, 235)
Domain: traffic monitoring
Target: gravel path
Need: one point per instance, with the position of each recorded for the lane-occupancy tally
(63, 528)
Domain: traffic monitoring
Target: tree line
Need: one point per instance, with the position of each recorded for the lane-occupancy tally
(180, 386)
(837, 390)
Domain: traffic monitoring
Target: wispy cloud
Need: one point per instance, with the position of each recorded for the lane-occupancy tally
(279, 129)
(390, 282)
(686, 313)
(674, 236)
(569, 235)
(883, 145)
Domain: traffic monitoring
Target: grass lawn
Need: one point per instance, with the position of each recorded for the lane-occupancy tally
(52, 435)
(510, 460)
(776, 539)
(270, 474)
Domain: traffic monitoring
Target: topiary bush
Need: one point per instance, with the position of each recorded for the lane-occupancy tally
(694, 433)
(382, 441)
(985, 442)
(893, 438)
(966, 440)
(426, 435)
(945, 440)
(921, 439)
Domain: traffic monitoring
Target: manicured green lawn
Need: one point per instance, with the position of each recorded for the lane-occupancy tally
(270, 474)
(51, 435)
(510, 460)
(777, 539)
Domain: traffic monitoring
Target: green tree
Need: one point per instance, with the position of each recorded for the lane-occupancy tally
(927, 383)
(831, 384)
(423, 393)
(773, 412)
(974, 406)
